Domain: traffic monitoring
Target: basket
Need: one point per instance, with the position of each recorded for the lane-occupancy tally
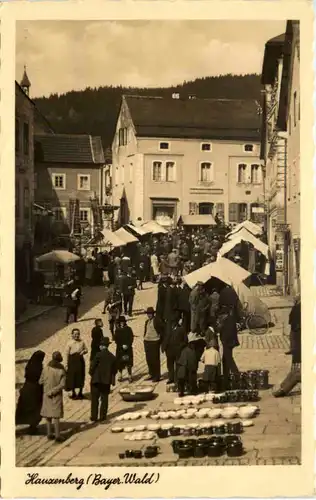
(137, 394)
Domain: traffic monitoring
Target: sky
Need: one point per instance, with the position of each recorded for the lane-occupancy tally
(71, 55)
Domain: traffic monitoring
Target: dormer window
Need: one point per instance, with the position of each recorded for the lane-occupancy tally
(249, 148)
(206, 146)
(164, 145)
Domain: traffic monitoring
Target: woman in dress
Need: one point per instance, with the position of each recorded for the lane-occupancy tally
(53, 379)
(29, 405)
(124, 338)
(76, 349)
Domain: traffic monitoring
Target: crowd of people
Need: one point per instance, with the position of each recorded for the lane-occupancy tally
(188, 326)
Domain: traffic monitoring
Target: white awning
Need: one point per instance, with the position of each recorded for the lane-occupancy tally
(223, 269)
(125, 236)
(112, 239)
(137, 229)
(250, 226)
(243, 235)
(197, 220)
(153, 227)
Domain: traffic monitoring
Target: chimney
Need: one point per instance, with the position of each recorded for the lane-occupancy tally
(175, 96)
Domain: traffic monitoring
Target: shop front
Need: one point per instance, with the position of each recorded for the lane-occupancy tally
(164, 212)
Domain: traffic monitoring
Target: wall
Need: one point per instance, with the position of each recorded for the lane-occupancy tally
(24, 169)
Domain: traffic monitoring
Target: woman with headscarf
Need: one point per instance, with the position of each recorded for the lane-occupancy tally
(29, 405)
(53, 379)
(124, 338)
(76, 349)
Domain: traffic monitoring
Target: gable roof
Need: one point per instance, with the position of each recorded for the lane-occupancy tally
(194, 118)
(64, 148)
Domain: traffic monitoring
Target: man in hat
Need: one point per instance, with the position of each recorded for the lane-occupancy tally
(153, 334)
(187, 366)
(194, 300)
(102, 371)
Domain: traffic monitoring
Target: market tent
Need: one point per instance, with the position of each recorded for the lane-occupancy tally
(243, 235)
(125, 236)
(140, 231)
(223, 269)
(154, 227)
(254, 304)
(58, 256)
(250, 226)
(112, 239)
(197, 220)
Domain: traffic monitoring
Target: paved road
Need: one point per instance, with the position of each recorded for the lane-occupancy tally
(274, 439)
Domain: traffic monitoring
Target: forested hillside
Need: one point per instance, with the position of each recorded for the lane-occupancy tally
(94, 110)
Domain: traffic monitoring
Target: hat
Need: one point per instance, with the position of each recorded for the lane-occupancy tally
(105, 342)
(200, 283)
(121, 319)
(57, 357)
(150, 310)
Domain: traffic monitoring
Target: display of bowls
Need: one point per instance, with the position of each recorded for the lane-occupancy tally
(154, 416)
(153, 427)
(247, 423)
(129, 429)
(140, 428)
(166, 427)
(214, 413)
(229, 412)
(247, 411)
(117, 429)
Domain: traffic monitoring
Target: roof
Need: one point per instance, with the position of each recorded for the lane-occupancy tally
(112, 239)
(194, 118)
(125, 236)
(154, 227)
(64, 148)
(40, 115)
(223, 269)
(137, 229)
(272, 52)
(243, 235)
(197, 220)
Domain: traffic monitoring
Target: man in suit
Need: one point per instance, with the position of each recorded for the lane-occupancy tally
(174, 341)
(102, 371)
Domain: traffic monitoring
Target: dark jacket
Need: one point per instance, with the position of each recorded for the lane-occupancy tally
(228, 297)
(174, 340)
(183, 299)
(171, 303)
(187, 363)
(228, 330)
(96, 337)
(103, 368)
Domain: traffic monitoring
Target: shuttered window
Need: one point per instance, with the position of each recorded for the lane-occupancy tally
(233, 212)
(220, 210)
(242, 173)
(242, 212)
(193, 208)
(157, 171)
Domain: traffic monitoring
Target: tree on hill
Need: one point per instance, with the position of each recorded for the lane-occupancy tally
(94, 111)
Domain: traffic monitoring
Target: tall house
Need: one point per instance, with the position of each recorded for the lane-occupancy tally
(280, 151)
(68, 180)
(174, 156)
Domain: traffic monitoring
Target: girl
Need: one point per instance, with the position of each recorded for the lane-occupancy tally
(76, 349)
(124, 338)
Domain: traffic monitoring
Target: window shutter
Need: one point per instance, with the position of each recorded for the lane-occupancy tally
(233, 212)
(220, 210)
(193, 208)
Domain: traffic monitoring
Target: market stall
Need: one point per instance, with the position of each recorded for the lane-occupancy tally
(243, 235)
(154, 227)
(194, 221)
(254, 229)
(224, 270)
(137, 230)
(126, 236)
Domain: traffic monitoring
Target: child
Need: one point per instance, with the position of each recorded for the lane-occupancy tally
(114, 308)
(187, 369)
(211, 359)
(141, 276)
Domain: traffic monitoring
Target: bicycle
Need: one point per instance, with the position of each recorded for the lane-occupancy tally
(255, 323)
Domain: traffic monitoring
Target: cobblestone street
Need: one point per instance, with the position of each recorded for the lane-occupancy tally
(274, 438)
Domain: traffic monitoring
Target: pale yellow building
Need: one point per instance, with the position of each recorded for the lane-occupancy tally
(280, 150)
(174, 156)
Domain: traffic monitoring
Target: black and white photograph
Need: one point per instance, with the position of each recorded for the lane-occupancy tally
(157, 246)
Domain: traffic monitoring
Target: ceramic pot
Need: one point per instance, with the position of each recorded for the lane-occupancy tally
(185, 450)
(200, 449)
(151, 451)
(175, 431)
(121, 455)
(129, 454)
(162, 433)
(215, 449)
(137, 454)
(234, 449)
(175, 444)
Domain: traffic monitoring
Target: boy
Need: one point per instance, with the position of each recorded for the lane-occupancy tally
(187, 368)
(212, 360)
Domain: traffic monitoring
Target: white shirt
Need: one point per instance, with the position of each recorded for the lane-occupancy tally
(211, 357)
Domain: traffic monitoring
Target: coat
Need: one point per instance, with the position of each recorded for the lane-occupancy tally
(53, 379)
(228, 330)
(174, 341)
(187, 363)
(103, 368)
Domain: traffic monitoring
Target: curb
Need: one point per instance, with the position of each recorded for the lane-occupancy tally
(20, 322)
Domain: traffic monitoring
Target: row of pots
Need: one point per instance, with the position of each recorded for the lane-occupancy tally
(215, 446)
(252, 379)
(239, 396)
(229, 428)
(149, 452)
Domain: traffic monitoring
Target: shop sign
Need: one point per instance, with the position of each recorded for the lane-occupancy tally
(279, 260)
(257, 210)
(283, 228)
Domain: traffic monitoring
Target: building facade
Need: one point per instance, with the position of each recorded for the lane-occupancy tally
(170, 160)
(280, 150)
(68, 180)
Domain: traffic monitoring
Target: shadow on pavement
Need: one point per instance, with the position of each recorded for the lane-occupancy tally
(35, 331)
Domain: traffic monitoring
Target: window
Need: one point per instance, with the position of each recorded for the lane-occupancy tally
(170, 171)
(242, 173)
(206, 146)
(206, 208)
(237, 212)
(249, 148)
(242, 212)
(59, 214)
(157, 171)
(164, 145)
(206, 172)
(123, 134)
(84, 182)
(26, 139)
(193, 208)
(220, 210)
(17, 135)
(295, 108)
(59, 181)
(84, 215)
(256, 174)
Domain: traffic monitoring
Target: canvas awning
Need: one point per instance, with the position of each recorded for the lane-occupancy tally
(58, 256)
(197, 220)
(254, 304)
(154, 227)
(125, 236)
(244, 235)
(137, 230)
(112, 239)
(223, 269)
(250, 226)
